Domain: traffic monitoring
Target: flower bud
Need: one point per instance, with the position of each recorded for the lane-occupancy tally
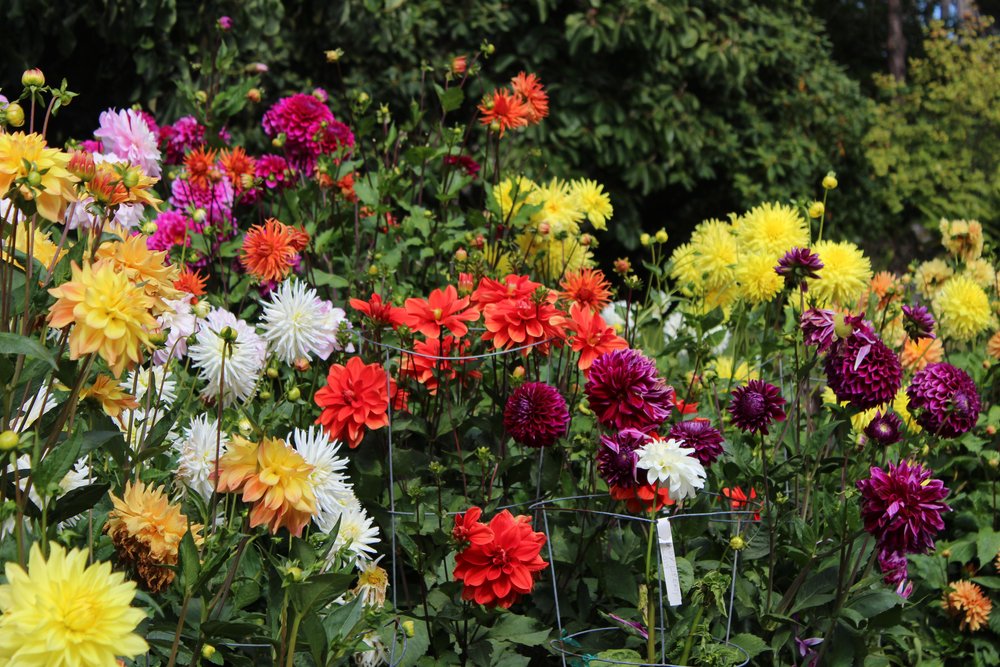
(518, 372)
(373, 270)
(149, 228)
(9, 440)
(645, 239)
(991, 429)
(830, 181)
(254, 95)
(479, 242)
(458, 65)
(408, 628)
(199, 215)
(301, 364)
(461, 255)
(225, 23)
(816, 209)
(14, 114)
(661, 236)
(363, 97)
(33, 78)
(207, 651)
(622, 266)
(994, 463)
(279, 140)
(294, 572)
(159, 338)
(334, 55)
(245, 426)
(293, 394)
(586, 240)
(264, 395)
(544, 228)
(737, 543)
(81, 165)
(228, 334)
(946, 553)
(130, 178)
(200, 97)
(34, 178)
(272, 372)
(201, 309)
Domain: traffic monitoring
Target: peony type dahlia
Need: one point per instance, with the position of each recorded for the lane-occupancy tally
(625, 391)
(902, 507)
(755, 405)
(354, 400)
(536, 415)
(945, 400)
(861, 370)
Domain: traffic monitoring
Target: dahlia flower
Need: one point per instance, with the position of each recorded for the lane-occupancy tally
(968, 599)
(845, 274)
(902, 507)
(504, 111)
(536, 415)
(530, 89)
(772, 229)
(196, 451)
(757, 280)
(229, 369)
(962, 238)
(594, 202)
(297, 323)
(669, 464)
(798, 264)
(591, 336)
(944, 399)
(587, 287)
(698, 434)
(469, 530)
(499, 572)
(432, 362)
(269, 250)
(64, 612)
(893, 565)
(917, 354)
(918, 322)
(55, 189)
(179, 322)
(862, 370)
(528, 321)
(152, 270)
(354, 400)
(126, 134)
(357, 533)
(513, 288)
(625, 391)
(442, 309)
(274, 172)
(308, 129)
(963, 309)
(330, 484)
(215, 201)
(184, 135)
(884, 429)
(755, 405)
(617, 455)
(380, 313)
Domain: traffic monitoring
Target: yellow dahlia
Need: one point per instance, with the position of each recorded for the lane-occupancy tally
(963, 309)
(772, 229)
(111, 315)
(110, 394)
(962, 238)
(981, 272)
(593, 201)
(554, 256)
(845, 274)
(559, 208)
(918, 353)
(686, 270)
(141, 265)
(901, 406)
(930, 275)
(237, 464)
(511, 194)
(147, 531)
(724, 369)
(717, 252)
(966, 598)
(758, 281)
(62, 613)
(42, 247)
(26, 156)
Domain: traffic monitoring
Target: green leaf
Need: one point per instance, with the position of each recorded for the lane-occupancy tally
(451, 98)
(752, 644)
(318, 590)
(16, 344)
(189, 562)
(872, 603)
(987, 545)
(520, 630)
(54, 465)
(76, 502)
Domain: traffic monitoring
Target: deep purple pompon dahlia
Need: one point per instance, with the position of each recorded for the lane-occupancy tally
(536, 415)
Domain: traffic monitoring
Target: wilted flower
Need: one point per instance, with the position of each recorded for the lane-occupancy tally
(918, 322)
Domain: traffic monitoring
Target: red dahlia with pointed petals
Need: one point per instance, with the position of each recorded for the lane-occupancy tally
(470, 530)
(354, 400)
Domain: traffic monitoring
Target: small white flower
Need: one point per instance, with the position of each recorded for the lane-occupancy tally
(243, 362)
(295, 321)
(666, 462)
(164, 386)
(357, 533)
(331, 486)
(196, 447)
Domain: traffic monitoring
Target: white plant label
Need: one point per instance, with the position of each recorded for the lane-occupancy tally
(670, 577)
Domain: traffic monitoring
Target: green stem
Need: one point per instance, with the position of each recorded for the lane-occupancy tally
(689, 642)
(650, 605)
(290, 656)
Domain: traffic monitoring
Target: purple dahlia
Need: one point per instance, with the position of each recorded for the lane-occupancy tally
(699, 435)
(536, 415)
(902, 507)
(918, 322)
(798, 264)
(755, 405)
(625, 390)
(944, 399)
(861, 370)
(885, 428)
(617, 456)
(893, 566)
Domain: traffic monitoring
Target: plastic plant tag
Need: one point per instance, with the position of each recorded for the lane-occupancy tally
(666, 539)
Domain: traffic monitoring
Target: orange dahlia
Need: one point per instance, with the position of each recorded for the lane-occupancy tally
(533, 93)
(591, 336)
(918, 353)
(504, 111)
(355, 398)
(281, 488)
(429, 371)
(237, 165)
(112, 397)
(526, 321)
(442, 309)
(237, 465)
(967, 598)
(993, 346)
(200, 164)
(269, 250)
(586, 287)
(513, 287)
(142, 266)
(191, 282)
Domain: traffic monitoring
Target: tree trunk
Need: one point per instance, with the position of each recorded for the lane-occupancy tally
(897, 42)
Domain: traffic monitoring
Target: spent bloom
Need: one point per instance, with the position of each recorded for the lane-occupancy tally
(902, 507)
(536, 415)
(668, 463)
(944, 399)
(624, 390)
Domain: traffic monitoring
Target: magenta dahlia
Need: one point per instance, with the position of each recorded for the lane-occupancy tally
(818, 328)
(918, 322)
(171, 231)
(307, 129)
(274, 171)
(885, 428)
(798, 264)
(755, 405)
(861, 370)
(698, 434)
(536, 415)
(902, 507)
(625, 390)
(176, 140)
(617, 456)
(944, 399)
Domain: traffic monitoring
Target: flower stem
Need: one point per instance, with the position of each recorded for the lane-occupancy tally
(650, 605)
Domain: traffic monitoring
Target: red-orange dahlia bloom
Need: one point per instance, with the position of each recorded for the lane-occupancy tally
(429, 371)
(468, 528)
(442, 308)
(513, 287)
(191, 282)
(505, 109)
(525, 321)
(503, 569)
(381, 313)
(738, 500)
(639, 499)
(200, 164)
(355, 399)
(269, 250)
(533, 93)
(591, 336)
(586, 287)
(238, 166)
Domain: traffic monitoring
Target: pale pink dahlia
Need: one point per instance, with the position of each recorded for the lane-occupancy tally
(944, 399)
(126, 134)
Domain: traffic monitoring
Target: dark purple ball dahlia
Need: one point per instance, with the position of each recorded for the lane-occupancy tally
(624, 390)
(699, 435)
(885, 428)
(944, 400)
(536, 415)
(902, 507)
(756, 405)
(798, 264)
(918, 322)
(617, 456)
(861, 370)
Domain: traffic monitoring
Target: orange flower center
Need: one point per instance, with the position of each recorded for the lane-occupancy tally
(437, 312)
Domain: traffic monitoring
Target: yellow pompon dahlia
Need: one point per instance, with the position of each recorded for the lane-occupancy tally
(281, 488)
(593, 201)
(967, 599)
(62, 612)
(918, 353)
(110, 394)
(717, 252)
(141, 265)
(963, 309)
(758, 281)
(511, 194)
(981, 272)
(111, 315)
(930, 275)
(772, 229)
(685, 269)
(962, 238)
(845, 275)
(901, 406)
(26, 156)
(147, 531)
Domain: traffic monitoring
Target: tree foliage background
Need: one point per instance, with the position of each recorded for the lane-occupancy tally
(685, 109)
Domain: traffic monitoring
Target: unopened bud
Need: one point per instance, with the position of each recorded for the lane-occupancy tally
(245, 426)
(254, 95)
(293, 394)
(373, 270)
(737, 543)
(363, 97)
(408, 628)
(461, 255)
(9, 440)
(991, 429)
(228, 334)
(201, 309)
(334, 55)
(518, 372)
(544, 228)
(830, 181)
(458, 65)
(199, 215)
(301, 364)
(816, 210)
(264, 395)
(994, 463)
(207, 651)
(661, 236)
(149, 228)
(272, 372)
(294, 572)
(622, 266)
(33, 78)
(201, 97)
(645, 239)
(14, 114)
(159, 338)
(586, 240)
(946, 553)
(34, 178)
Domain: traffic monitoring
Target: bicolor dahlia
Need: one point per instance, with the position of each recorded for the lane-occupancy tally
(21, 154)
(798, 264)
(862, 370)
(755, 405)
(667, 463)
(699, 435)
(884, 428)
(63, 612)
(591, 337)
(354, 400)
(918, 322)
(499, 572)
(625, 390)
(902, 507)
(617, 455)
(944, 399)
(967, 599)
(536, 415)
(229, 356)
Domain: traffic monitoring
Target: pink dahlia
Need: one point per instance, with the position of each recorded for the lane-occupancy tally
(902, 507)
(125, 134)
(617, 456)
(944, 399)
(625, 390)
(171, 230)
(536, 415)
(861, 370)
(274, 172)
(215, 199)
(308, 129)
(818, 328)
(755, 405)
(699, 435)
(184, 135)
